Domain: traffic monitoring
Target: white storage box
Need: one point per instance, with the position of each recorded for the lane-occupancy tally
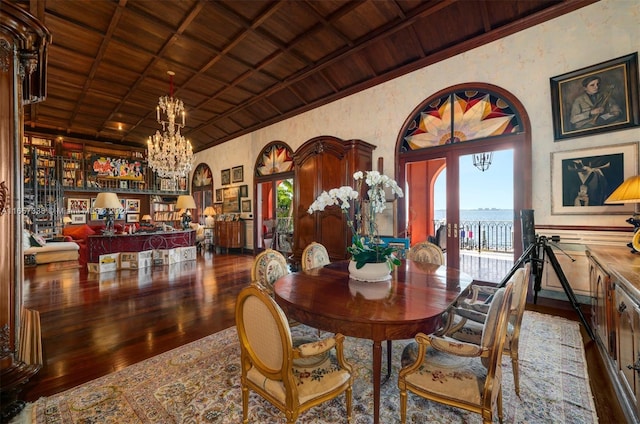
(188, 253)
(106, 263)
(135, 260)
(166, 256)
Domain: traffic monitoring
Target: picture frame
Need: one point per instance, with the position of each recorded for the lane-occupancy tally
(225, 176)
(237, 174)
(244, 190)
(133, 205)
(133, 217)
(218, 208)
(582, 179)
(79, 218)
(246, 205)
(76, 206)
(219, 195)
(124, 184)
(231, 200)
(613, 104)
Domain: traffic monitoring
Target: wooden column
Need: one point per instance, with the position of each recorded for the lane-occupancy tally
(23, 49)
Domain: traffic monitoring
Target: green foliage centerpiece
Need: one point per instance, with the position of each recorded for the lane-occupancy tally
(366, 248)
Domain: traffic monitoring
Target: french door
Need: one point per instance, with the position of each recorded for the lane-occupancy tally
(471, 214)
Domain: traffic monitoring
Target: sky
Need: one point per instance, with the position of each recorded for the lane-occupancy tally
(492, 188)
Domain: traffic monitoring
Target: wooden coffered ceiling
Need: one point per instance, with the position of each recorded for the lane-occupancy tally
(242, 65)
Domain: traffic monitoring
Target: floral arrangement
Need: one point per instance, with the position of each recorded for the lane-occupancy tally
(367, 246)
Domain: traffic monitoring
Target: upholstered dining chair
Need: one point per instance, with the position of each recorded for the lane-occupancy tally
(472, 313)
(268, 266)
(314, 255)
(268, 360)
(426, 252)
(459, 374)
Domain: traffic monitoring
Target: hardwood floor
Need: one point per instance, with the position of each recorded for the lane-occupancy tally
(94, 324)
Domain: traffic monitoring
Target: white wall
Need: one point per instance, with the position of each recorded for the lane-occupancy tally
(521, 63)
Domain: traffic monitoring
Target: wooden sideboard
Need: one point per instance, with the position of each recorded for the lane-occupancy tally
(229, 235)
(614, 279)
(100, 244)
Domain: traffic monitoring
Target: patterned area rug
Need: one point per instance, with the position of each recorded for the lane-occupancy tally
(200, 383)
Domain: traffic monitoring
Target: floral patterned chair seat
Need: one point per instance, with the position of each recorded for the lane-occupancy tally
(267, 267)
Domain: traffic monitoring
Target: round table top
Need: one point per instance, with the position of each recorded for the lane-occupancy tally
(414, 298)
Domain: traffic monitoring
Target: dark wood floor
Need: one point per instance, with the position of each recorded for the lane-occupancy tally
(94, 324)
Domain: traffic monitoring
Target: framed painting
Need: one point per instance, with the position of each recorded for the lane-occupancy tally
(596, 99)
(133, 217)
(231, 200)
(237, 174)
(244, 191)
(133, 205)
(79, 218)
(246, 205)
(219, 195)
(581, 180)
(225, 176)
(75, 206)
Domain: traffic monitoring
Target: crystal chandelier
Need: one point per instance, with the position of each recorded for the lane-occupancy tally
(482, 161)
(170, 154)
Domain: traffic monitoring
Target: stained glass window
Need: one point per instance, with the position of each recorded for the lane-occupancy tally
(275, 159)
(459, 117)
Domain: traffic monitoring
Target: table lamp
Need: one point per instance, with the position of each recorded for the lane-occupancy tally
(209, 212)
(109, 202)
(185, 202)
(629, 192)
(66, 221)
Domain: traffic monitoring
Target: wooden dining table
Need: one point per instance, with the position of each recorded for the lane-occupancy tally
(412, 301)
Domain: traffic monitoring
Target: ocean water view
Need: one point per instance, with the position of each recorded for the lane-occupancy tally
(479, 215)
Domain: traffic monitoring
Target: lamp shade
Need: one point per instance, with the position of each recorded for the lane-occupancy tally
(209, 211)
(107, 201)
(627, 192)
(186, 201)
(146, 218)
(66, 220)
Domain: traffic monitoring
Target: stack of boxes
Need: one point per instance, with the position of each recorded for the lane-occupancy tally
(144, 259)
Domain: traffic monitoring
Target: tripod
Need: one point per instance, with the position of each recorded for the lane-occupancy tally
(535, 253)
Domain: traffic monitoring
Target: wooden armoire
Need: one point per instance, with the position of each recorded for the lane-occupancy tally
(323, 163)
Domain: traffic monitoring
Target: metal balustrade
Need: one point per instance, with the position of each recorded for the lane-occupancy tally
(491, 236)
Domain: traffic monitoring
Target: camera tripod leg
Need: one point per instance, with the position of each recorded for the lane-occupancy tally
(567, 289)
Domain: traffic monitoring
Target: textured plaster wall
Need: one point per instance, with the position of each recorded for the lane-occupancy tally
(522, 64)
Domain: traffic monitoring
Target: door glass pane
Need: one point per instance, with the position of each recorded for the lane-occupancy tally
(486, 216)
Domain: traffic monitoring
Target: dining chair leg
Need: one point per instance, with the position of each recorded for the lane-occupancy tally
(389, 349)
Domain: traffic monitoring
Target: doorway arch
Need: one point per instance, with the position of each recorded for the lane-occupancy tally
(273, 194)
(461, 120)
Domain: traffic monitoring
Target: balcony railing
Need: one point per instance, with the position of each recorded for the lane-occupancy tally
(491, 236)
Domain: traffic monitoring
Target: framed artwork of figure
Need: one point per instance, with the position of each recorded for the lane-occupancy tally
(596, 99)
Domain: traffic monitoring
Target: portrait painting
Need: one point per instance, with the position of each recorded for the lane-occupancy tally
(596, 99)
(582, 180)
(225, 176)
(237, 174)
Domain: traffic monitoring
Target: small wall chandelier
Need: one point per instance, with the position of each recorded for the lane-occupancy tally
(170, 154)
(482, 161)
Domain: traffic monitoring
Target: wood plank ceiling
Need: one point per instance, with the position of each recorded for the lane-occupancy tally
(242, 65)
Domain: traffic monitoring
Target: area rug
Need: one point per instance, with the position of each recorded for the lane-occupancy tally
(200, 383)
